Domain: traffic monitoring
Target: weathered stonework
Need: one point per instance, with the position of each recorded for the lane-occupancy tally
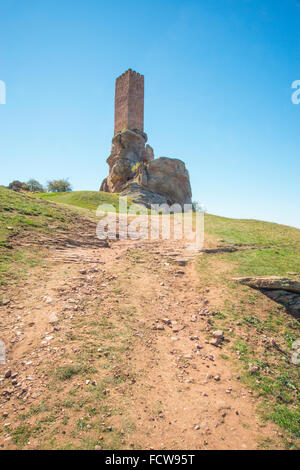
(133, 171)
(129, 101)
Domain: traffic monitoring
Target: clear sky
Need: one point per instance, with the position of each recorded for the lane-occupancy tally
(218, 76)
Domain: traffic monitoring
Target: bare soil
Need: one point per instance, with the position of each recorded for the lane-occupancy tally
(110, 345)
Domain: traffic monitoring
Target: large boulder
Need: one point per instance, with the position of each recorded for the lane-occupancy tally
(128, 149)
(140, 195)
(133, 171)
(167, 177)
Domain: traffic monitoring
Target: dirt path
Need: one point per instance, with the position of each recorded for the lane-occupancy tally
(111, 347)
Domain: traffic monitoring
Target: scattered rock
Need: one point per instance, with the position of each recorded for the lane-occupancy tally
(158, 327)
(222, 249)
(218, 334)
(253, 368)
(53, 318)
(221, 405)
(181, 262)
(188, 356)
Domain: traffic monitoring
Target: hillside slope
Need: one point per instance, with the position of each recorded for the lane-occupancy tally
(112, 344)
(86, 199)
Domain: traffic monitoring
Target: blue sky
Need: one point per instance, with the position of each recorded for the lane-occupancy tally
(218, 76)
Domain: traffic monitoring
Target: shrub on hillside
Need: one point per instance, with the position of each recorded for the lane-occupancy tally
(35, 186)
(18, 186)
(59, 186)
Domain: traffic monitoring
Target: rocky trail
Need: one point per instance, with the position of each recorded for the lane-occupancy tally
(112, 347)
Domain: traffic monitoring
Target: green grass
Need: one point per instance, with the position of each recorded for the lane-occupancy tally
(23, 215)
(264, 249)
(276, 248)
(250, 232)
(287, 418)
(67, 372)
(22, 212)
(84, 199)
(37, 215)
(21, 435)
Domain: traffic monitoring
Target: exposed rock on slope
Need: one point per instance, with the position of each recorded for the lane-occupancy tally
(280, 289)
(128, 149)
(168, 177)
(272, 282)
(134, 172)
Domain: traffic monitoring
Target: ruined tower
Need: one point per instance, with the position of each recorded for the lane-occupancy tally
(133, 171)
(129, 101)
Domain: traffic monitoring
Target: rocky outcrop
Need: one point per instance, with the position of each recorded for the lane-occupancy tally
(290, 300)
(134, 172)
(167, 177)
(280, 289)
(271, 283)
(140, 195)
(128, 149)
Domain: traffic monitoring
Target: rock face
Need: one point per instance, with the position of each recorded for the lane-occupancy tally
(271, 283)
(167, 177)
(134, 172)
(128, 149)
(280, 289)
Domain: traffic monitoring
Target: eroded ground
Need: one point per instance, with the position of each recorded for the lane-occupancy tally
(110, 346)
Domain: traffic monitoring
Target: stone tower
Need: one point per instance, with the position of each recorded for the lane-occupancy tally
(129, 101)
(133, 171)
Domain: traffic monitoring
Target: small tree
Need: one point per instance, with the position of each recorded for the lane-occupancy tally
(25, 187)
(16, 185)
(35, 186)
(197, 207)
(59, 186)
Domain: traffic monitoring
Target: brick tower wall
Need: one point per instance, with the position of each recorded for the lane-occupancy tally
(129, 101)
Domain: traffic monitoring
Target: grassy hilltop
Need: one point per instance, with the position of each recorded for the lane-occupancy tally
(277, 247)
(29, 215)
(85, 199)
(251, 320)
